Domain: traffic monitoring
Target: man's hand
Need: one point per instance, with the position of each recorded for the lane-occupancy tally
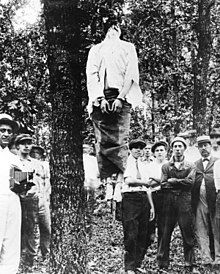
(104, 106)
(172, 181)
(117, 106)
(152, 214)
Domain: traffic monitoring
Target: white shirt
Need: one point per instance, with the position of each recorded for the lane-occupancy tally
(91, 171)
(7, 161)
(202, 187)
(113, 64)
(155, 171)
(216, 170)
(131, 171)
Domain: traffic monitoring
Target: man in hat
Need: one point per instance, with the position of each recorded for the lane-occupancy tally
(113, 87)
(159, 150)
(137, 208)
(203, 200)
(35, 209)
(10, 209)
(177, 180)
(215, 140)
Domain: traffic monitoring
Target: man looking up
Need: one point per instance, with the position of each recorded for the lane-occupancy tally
(203, 200)
(177, 180)
(10, 209)
(137, 208)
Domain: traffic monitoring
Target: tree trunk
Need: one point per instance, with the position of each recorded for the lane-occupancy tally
(201, 65)
(68, 247)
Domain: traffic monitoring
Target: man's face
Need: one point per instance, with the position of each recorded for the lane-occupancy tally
(160, 153)
(136, 152)
(178, 149)
(214, 141)
(24, 146)
(36, 154)
(205, 149)
(147, 150)
(5, 135)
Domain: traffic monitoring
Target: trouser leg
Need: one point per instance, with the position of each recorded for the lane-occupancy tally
(216, 231)
(169, 220)
(142, 236)
(10, 211)
(29, 227)
(202, 232)
(44, 220)
(186, 224)
(131, 209)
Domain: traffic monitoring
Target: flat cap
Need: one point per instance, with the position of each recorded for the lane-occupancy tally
(215, 132)
(8, 120)
(136, 143)
(159, 143)
(22, 137)
(39, 148)
(203, 139)
(179, 139)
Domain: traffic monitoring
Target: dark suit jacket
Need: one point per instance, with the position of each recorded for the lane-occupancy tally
(207, 174)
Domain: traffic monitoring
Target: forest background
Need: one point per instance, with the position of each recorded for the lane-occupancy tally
(43, 86)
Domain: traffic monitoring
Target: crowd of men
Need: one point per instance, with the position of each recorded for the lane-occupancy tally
(161, 191)
(24, 199)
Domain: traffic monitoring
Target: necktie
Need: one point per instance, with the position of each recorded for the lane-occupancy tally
(205, 159)
(138, 176)
(205, 162)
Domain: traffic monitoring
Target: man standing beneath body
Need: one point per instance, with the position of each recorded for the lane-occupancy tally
(177, 180)
(35, 209)
(113, 87)
(159, 150)
(10, 209)
(203, 200)
(137, 209)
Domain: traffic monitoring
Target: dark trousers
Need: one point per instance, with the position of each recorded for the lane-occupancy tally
(157, 197)
(135, 220)
(177, 209)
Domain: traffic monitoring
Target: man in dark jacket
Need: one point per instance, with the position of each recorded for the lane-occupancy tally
(177, 180)
(203, 199)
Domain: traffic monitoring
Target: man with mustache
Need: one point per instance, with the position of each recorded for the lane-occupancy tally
(203, 201)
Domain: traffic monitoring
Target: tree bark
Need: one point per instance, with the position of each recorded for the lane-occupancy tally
(68, 245)
(201, 65)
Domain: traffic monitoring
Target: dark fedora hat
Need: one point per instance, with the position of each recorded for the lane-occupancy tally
(6, 119)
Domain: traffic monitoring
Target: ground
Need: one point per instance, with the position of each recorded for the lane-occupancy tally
(105, 250)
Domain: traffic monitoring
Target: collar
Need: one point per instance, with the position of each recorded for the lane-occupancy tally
(6, 149)
(181, 164)
(209, 157)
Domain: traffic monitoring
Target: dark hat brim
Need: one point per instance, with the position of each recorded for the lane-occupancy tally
(38, 148)
(157, 144)
(14, 125)
(138, 143)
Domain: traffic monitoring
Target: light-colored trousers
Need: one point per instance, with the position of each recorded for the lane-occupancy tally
(202, 233)
(10, 233)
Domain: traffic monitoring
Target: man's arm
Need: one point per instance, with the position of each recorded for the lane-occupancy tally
(131, 181)
(187, 182)
(152, 210)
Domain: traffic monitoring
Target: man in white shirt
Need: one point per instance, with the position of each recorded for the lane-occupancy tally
(10, 209)
(203, 201)
(137, 208)
(159, 150)
(113, 87)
